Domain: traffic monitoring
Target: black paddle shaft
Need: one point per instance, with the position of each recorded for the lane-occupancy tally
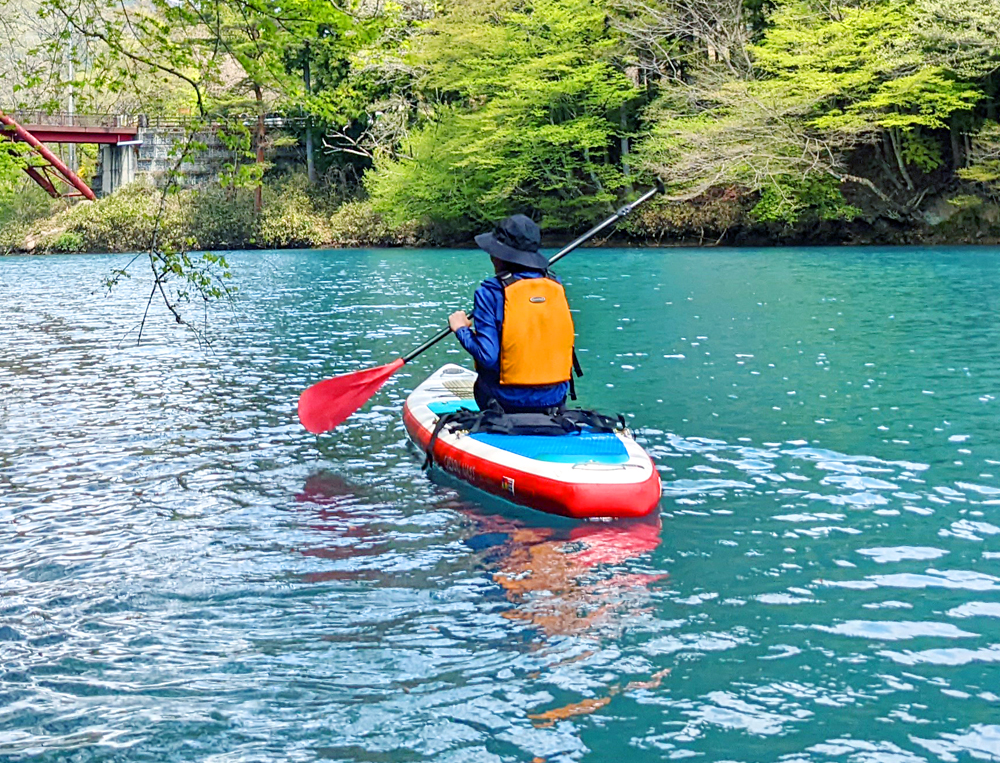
(555, 258)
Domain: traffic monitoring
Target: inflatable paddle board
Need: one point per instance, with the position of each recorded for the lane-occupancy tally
(585, 475)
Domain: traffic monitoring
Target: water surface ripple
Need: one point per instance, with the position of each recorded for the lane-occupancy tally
(187, 575)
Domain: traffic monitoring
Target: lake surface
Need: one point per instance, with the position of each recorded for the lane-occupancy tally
(187, 575)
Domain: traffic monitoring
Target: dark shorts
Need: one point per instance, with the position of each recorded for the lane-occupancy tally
(485, 399)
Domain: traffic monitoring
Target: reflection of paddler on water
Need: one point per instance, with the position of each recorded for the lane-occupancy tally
(566, 584)
(563, 581)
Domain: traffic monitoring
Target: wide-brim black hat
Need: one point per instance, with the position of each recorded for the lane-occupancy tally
(515, 239)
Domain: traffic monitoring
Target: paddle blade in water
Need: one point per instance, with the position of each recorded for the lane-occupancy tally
(325, 404)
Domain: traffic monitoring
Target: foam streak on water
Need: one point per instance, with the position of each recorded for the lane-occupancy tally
(187, 575)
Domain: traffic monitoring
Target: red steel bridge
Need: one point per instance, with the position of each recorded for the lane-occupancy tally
(36, 128)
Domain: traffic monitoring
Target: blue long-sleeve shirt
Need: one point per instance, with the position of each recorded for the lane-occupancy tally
(483, 344)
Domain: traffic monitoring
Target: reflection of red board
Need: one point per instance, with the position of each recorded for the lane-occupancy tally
(614, 544)
(53, 171)
(582, 488)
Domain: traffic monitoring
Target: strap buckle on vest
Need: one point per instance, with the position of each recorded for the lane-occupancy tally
(576, 370)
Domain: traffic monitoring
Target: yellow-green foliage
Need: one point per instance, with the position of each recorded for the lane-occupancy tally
(123, 222)
(526, 106)
(290, 217)
(211, 218)
(356, 223)
(709, 216)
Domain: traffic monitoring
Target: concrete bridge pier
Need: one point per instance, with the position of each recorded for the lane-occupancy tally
(118, 167)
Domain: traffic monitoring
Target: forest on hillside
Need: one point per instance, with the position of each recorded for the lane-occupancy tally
(767, 120)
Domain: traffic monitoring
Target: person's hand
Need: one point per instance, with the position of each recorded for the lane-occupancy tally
(459, 320)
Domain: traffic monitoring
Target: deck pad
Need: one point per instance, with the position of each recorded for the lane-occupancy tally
(450, 406)
(582, 448)
(460, 388)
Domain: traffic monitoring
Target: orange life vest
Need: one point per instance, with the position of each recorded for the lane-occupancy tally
(536, 339)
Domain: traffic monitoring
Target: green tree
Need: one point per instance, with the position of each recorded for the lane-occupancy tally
(828, 85)
(362, 96)
(870, 67)
(11, 172)
(983, 169)
(523, 111)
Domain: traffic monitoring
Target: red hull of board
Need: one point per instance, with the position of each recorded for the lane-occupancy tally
(576, 500)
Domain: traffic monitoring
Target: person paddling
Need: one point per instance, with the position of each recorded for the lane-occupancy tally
(326, 404)
(522, 340)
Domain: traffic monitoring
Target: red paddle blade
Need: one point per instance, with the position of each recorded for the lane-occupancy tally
(325, 404)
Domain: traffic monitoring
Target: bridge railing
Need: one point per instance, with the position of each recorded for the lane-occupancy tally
(39, 118)
(59, 119)
(271, 120)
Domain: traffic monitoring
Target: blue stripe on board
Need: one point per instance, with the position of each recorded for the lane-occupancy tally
(602, 448)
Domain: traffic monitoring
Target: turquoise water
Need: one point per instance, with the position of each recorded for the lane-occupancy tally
(187, 575)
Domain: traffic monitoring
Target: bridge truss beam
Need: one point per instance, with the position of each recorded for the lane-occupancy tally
(53, 170)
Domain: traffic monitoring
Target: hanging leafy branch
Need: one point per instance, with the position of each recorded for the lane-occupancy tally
(219, 50)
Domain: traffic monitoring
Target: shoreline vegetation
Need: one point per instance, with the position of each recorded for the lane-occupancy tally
(296, 215)
(408, 123)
